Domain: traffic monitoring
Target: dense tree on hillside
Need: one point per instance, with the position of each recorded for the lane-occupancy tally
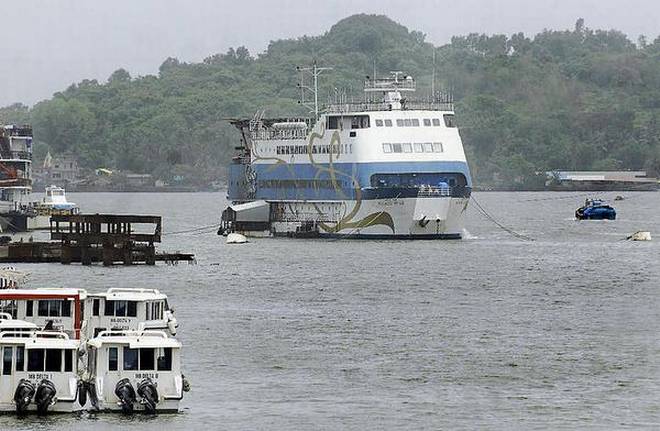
(578, 99)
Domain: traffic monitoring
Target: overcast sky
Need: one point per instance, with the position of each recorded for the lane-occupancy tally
(49, 44)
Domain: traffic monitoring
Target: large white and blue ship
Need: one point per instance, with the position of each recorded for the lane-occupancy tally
(386, 167)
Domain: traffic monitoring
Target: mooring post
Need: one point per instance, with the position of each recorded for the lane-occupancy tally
(85, 254)
(150, 254)
(128, 253)
(65, 254)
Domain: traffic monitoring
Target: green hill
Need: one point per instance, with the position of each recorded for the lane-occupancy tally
(580, 99)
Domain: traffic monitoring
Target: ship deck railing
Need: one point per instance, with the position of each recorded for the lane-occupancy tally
(410, 105)
(16, 155)
(268, 134)
(429, 191)
(389, 84)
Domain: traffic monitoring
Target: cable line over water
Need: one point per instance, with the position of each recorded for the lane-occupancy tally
(512, 232)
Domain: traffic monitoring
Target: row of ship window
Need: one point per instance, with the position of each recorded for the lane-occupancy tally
(37, 359)
(316, 149)
(414, 122)
(141, 359)
(62, 308)
(425, 147)
(333, 122)
(299, 184)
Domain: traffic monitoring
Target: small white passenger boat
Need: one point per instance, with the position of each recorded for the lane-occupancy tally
(48, 308)
(135, 370)
(39, 372)
(54, 203)
(83, 315)
(121, 308)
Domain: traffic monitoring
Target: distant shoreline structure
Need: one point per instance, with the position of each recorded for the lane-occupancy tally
(600, 181)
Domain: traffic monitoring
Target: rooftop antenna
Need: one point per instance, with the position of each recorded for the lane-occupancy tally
(433, 77)
(314, 71)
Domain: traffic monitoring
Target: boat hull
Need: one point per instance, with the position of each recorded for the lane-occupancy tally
(61, 406)
(394, 218)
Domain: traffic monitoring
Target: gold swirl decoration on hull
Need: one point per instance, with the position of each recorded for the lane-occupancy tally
(347, 220)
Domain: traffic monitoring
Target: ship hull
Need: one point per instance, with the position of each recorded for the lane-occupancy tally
(393, 218)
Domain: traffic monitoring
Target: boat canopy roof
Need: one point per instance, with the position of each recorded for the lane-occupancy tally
(39, 339)
(129, 294)
(135, 339)
(46, 293)
(256, 211)
(7, 323)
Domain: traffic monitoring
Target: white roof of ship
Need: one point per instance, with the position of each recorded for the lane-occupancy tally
(135, 339)
(44, 291)
(7, 324)
(39, 340)
(258, 211)
(127, 293)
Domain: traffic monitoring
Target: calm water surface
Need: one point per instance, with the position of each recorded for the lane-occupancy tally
(485, 333)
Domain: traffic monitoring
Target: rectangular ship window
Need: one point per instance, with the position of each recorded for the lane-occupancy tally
(333, 123)
(164, 360)
(407, 122)
(428, 147)
(419, 148)
(415, 122)
(379, 123)
(437, 147)
(7, 356)
(407, 148)
(113, 359)
(427, 121)
(396, 148)
(449, 120)
(399, 122)
(360, 122)
(387, 148)
(388, 123)
(436, 122)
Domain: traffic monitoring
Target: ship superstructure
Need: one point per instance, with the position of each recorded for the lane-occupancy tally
(15, 175)
(386, 167)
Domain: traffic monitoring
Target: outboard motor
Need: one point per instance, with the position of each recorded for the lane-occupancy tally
(23, 395)
(126, 394)
(147, 390)
(45, 396)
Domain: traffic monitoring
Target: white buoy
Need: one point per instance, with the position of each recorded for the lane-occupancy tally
(640, 235)
(236, 238)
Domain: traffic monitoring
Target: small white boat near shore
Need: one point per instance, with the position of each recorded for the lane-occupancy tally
(54, 203)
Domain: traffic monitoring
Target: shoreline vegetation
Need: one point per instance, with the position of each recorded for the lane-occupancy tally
(578, 99)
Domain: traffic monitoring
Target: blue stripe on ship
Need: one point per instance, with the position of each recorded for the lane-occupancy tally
(344, 175)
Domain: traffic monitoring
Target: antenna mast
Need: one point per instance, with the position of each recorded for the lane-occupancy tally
(314, 72)
(433, 77)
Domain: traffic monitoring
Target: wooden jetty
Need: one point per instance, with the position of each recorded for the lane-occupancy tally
(87, 238)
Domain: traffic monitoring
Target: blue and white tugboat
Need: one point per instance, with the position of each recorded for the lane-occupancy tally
(386, 167)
